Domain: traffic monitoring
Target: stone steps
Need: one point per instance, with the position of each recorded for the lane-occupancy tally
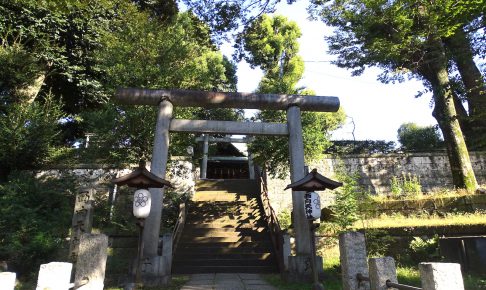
(201, 269)
(225, 231)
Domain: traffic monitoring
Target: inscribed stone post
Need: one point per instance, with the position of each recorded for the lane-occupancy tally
(382, 270)
(286, 250)
(352, 248)
(82, 220)
(91, 263)
(54, 276)
(7, 280)
(441, 276)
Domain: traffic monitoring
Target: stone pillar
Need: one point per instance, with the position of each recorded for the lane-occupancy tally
(167, 253)
(441, 276)
(82, 221)
(382, 270)
(54, 276)
(204, 164)
(251, 167)
(158, 167)
(286, 250)
(296, 153)
(91, 263)
(7, 280)
(352, 249)
(157, 271)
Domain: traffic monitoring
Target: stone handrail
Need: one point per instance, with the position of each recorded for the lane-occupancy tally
(179, 226)
(273, 224)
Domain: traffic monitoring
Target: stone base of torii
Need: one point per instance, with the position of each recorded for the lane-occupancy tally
(299, 265)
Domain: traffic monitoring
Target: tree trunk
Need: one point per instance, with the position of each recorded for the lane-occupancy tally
(30, 92)
(435, 71)
(462, 116)
(463, 56)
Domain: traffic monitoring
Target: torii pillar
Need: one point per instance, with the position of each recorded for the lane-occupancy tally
(166, 99)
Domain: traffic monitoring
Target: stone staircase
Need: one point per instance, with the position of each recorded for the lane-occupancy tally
(225, 231)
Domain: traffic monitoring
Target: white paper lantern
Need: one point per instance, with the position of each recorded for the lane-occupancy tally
(141, 203)
(312, 206)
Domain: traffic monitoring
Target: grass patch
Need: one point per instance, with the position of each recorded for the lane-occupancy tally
(408, 276)
(176, 283)
(424, 220)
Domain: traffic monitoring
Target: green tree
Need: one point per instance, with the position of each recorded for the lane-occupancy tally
(27, 134)
(145, 52)
(473, 121)
(404, 37)
(271, 43)
(419, 138)
(60, 38)
(36, 213)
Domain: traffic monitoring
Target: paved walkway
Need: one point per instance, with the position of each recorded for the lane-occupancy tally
(223, 281)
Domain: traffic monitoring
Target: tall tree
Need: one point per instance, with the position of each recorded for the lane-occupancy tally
(61, 39)
(144, 52)
(462, 53)
(417, 138)
(272, 44)
(403, 37)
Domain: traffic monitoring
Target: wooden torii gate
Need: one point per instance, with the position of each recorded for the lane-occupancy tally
(167, 99)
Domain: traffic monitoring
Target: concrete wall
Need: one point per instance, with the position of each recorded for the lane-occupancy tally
(376, 172)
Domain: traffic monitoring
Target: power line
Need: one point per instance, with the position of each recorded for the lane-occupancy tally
(318, 61)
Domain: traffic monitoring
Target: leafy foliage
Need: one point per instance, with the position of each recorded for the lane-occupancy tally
(150, 54)
(27, 133)
(424, 250)
(271, 43)
(416, 138)
(348, 197)
(226, 16)
(407, 185)
(61, 37)
(344, 147)
(36, 213)
(404, 38)
(19, 70)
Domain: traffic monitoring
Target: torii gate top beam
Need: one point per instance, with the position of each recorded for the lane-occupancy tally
(189, 98)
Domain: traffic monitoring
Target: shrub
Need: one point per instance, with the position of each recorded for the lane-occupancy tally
(424, 250)
(378, 242)
(27, 133)
(285, 219)
(405, 186)
(348, 201)
(35, 218)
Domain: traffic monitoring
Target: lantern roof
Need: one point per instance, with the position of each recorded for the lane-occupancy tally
(314, 181)
(141, 178)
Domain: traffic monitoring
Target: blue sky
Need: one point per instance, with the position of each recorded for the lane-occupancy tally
(377, 109)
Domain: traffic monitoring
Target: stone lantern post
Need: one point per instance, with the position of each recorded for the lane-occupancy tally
(142, 180)
(312, 207)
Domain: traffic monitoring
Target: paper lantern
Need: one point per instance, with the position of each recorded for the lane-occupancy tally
(141, 203)
(312, 205)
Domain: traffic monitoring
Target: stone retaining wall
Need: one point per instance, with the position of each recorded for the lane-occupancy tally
(180, 174)
(376, 172)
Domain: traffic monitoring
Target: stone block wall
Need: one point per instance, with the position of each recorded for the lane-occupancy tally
(376, 172)
(180, 174)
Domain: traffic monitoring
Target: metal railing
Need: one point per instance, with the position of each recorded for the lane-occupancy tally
(276, 233)
(179, 226)
(389, 283)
